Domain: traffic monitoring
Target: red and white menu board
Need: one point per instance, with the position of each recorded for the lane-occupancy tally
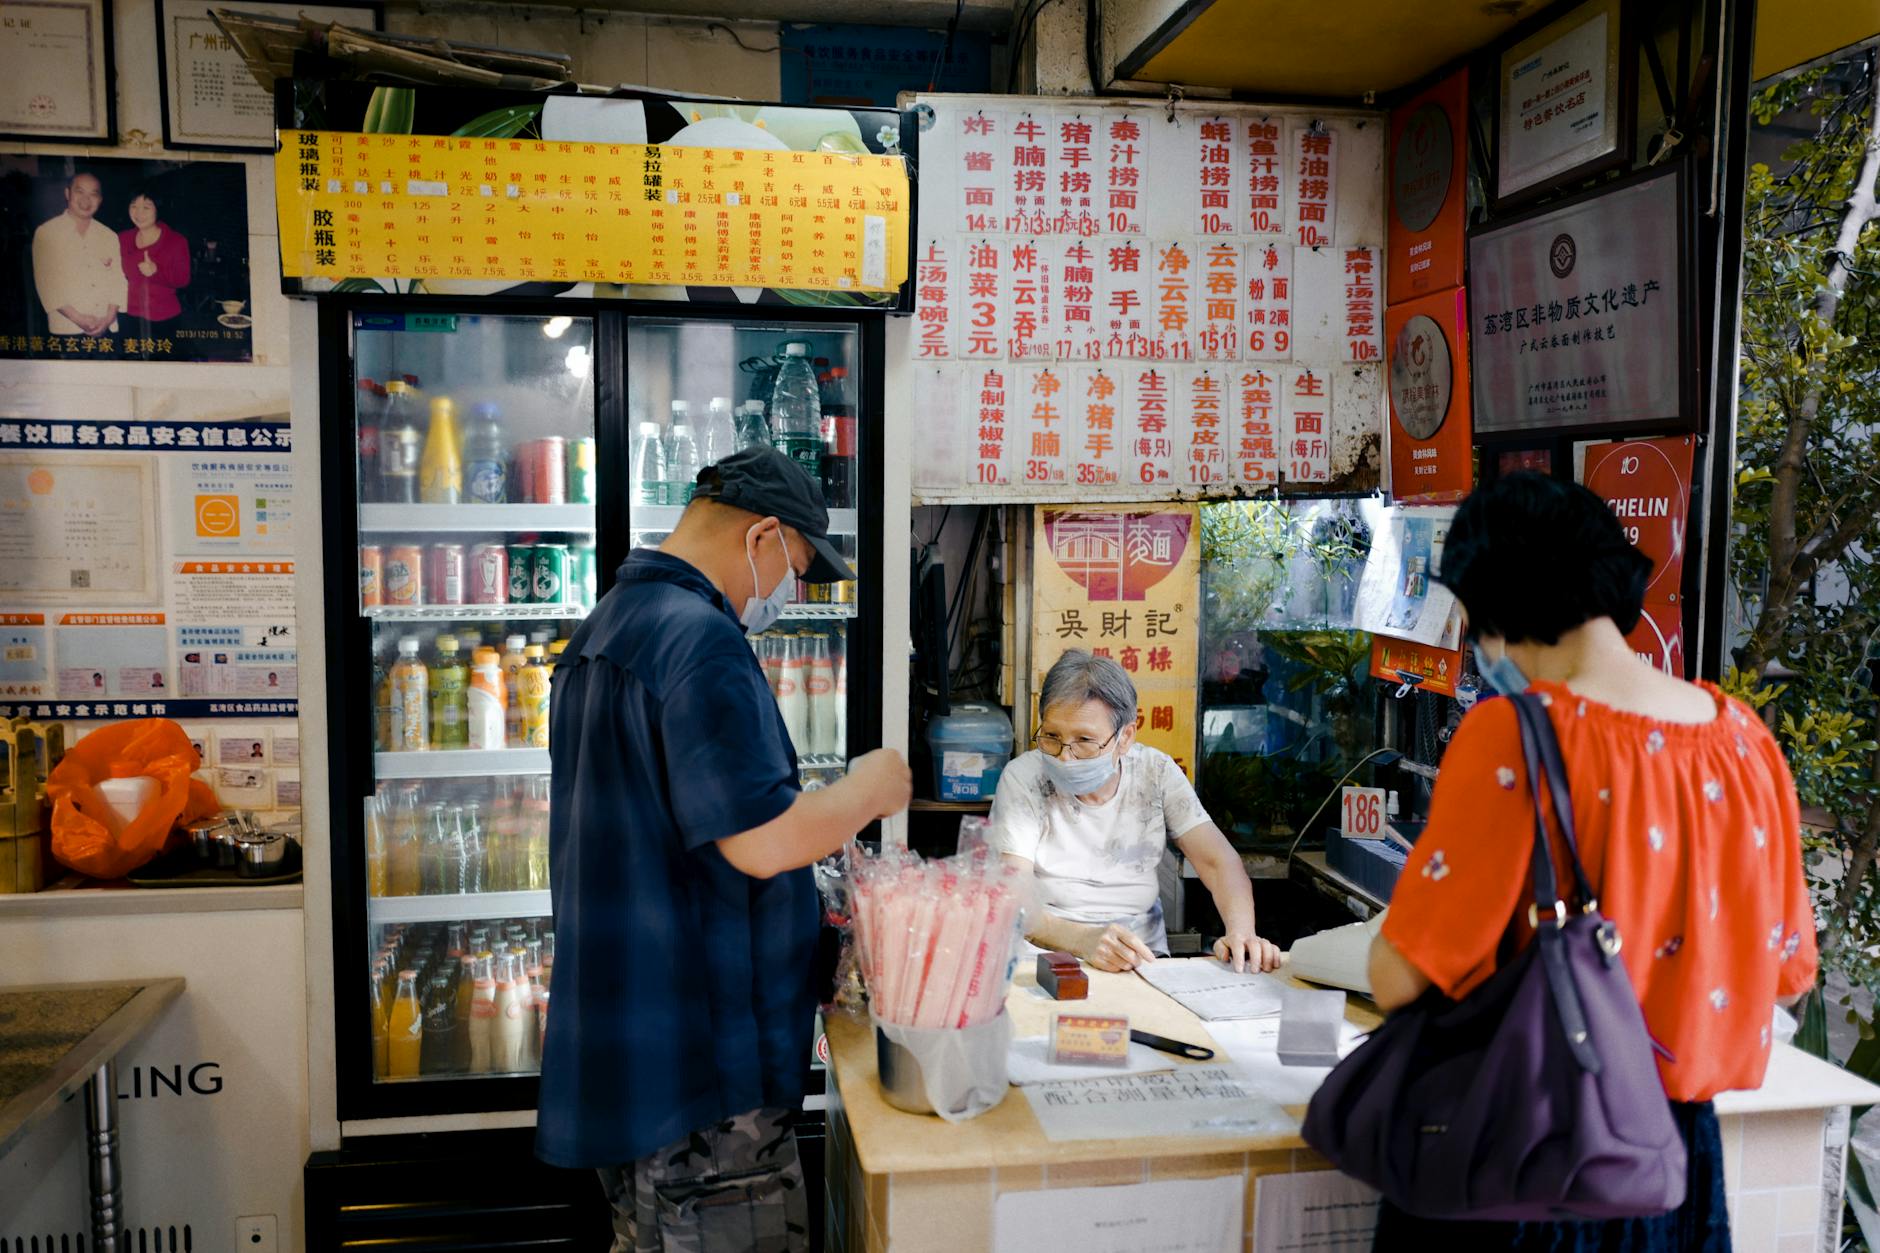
(1130, 301)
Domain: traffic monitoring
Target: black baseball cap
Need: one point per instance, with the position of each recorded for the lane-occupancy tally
(763, 481)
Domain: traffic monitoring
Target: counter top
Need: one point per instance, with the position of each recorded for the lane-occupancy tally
(1796, 1080)
(107, 900)
(54, 1037)
(889, 1140)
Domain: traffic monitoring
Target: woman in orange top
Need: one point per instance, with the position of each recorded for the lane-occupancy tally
(1688, 826)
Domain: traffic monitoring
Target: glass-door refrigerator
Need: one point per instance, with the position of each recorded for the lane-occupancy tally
(501, 460)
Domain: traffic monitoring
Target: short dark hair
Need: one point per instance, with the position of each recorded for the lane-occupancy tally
(144, 193)
(1531, 558)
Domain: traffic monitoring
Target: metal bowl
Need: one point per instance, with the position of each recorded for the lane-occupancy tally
(260, 853)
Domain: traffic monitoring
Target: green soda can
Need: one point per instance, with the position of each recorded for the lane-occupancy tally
(521, 573)
(581, 471)
(583, 575)
(551, 575)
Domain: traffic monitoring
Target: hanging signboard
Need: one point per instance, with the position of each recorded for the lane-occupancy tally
(1431, 455)
(1148, 255)
(1564, 101)
(1579, 314)
(1125, 584)
(1648, 485)
(489, 193)
(1423, 667)
(1428, 164)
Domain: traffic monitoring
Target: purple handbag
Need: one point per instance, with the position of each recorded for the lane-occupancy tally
(1536, 1096)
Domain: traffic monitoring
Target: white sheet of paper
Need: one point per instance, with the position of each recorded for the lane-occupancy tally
(1190, 1101)
(1398, 595)
(1029, 1061)
(1170, 1216)
(1319, 1210)
(1250, 1044)
(1211, 990)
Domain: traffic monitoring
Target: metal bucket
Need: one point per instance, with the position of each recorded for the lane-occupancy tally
(902, 1084)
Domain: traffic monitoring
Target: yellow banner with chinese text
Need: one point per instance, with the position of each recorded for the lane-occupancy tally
(528, 210)
(1125, 583)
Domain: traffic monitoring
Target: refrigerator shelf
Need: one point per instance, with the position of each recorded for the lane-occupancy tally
(811, 613)
(460, 907)
(462, 613)
(650, 518)
(460, 763)
(477, 519)
(821, 761)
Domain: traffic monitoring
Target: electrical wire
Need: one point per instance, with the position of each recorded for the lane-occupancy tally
(1021, 31)
(946, 49)
(1307, 824)
(739, 42)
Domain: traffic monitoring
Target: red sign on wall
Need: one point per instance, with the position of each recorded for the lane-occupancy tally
(1400, 661)
(1648, 484)
(1431, 458)
(1428, 160)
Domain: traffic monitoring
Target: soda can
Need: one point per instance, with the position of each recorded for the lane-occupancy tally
(550, 586)
(550, 459)
(489, 575)
(404, 575)
(447, 574)
(532, 689)
(583, 575)
(371, 576)
(581, 472)
(522, 472)
(521, 573)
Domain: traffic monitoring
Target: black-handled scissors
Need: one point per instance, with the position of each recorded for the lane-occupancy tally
(1193, 1052)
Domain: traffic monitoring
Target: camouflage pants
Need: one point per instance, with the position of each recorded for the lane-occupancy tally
(733, 1188)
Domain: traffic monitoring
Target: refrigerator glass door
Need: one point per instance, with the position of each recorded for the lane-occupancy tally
(476, 480)
(700, 389)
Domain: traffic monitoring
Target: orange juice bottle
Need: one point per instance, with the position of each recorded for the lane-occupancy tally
(405, 1030)
(381, 1030)
(401, 846)
(440, 473)
(378, 870)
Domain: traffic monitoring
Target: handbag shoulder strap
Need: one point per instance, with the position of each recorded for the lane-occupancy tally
(1539, 740)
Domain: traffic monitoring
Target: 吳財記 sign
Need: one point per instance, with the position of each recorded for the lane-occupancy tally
(1577, 314)
(438, 207)
(1562, 105)
(1431, 456)
(1144, 303)
(1428, 164)
(1647, 484)
(1124, 583)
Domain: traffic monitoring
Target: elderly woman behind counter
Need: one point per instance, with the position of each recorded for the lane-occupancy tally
(1089, 812)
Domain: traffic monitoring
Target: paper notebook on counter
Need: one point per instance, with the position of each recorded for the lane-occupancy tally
(1211, 991)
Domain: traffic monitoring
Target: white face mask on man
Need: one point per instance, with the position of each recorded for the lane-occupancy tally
(761, 613)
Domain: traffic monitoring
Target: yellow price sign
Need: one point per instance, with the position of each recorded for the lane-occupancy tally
(529, 210)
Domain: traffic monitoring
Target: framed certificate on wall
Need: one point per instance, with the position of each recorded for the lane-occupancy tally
(210, 100)
(1565, 101)
(57, 84)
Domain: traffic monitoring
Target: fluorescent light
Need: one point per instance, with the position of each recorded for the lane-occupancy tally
(578, 361)
(556, 326)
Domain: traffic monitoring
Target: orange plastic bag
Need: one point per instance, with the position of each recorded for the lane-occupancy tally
(81, 835)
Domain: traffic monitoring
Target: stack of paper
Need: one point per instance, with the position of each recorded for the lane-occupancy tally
(1211, 991)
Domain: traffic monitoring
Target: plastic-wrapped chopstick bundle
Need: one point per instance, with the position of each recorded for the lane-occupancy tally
(935, 939)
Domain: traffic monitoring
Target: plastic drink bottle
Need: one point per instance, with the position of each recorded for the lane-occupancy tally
(486, 701)
(371, 410)
(532, 688)
(486, 458)
(682, 463)
(411, 713)
(381, 1029)
(753, 429)
(793, 694)
(841, 748)
(796, 410)
(649, 465)
(535, 805)
(405, 1030)
(400, 445)
(440, 473)
(822, 698)
(482, 1015)
(513, 661)
(378, 843)
(382, 706)
(719, 439)
(450, 698)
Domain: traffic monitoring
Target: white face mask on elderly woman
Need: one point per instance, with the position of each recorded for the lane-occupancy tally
(1079, 778)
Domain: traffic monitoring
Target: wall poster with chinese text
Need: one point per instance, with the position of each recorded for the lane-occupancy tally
(1125, 583)
(108, 259)
(1193, 277)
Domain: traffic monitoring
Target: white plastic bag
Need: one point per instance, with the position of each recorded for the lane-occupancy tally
(955, 1072)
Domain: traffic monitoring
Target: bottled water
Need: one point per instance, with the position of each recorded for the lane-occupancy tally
(796, 410)
(681, 464)
(649, 465)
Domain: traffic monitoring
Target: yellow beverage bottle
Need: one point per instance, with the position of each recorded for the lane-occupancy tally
(440, 473)
(381, 1031)
(405, 1030)
(513, 661)
(532, 687)
(410, 711)
(378, 844)
(401, 849)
